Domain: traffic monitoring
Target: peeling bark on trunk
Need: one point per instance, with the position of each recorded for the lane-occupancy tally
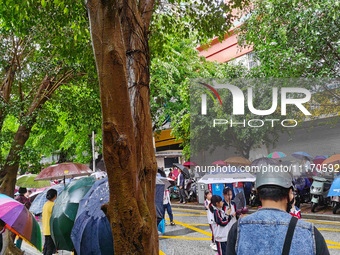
(119, 32)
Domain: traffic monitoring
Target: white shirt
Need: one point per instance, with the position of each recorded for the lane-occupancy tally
(166, 198)
(233, 219)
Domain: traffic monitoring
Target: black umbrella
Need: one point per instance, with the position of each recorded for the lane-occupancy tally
(184, 170)
(239, 201)
(161, 172)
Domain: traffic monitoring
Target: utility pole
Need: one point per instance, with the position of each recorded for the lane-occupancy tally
(93, 153)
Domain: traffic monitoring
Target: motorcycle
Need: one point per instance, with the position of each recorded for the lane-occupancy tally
(302, 190)
(253, 198)
(336, 203)
(319, 191)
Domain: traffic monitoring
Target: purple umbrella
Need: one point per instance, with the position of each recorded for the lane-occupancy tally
(319, 159)
(301, 155)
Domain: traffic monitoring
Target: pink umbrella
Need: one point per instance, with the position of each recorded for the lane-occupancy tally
(219, 163)
(189, 164)
(63, 170)
(175, 172)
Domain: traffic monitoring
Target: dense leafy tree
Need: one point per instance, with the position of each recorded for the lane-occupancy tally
(172, 74)
(37, 59)
(66, 122)
(294, 38)
(45, 47)
(297, 39)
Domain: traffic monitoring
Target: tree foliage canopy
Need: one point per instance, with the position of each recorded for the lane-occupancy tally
(45, 64)
(294, 38)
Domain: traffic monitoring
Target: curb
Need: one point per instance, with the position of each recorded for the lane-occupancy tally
(307, 216)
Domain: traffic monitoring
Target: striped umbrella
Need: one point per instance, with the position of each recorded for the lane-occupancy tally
(277, 154)
(20, 221)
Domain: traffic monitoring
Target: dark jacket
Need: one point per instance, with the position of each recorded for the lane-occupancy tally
(181, 180)
(24, 200)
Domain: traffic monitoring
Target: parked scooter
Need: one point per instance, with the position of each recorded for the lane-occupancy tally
(319, 191)
(334, 193)
(336, 203)
(192, 191)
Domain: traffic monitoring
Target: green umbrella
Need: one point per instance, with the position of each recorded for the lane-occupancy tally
(27, 181)
(65, 211)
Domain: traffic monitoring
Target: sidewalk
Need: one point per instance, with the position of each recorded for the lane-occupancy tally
(320, 214)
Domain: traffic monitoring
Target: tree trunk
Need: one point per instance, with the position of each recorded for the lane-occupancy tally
(11, 249)
(8, 174)
(62, 156)
(119, 32)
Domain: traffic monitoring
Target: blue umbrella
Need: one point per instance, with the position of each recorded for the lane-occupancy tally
(91, 233)
(38, 203)
(335, 188)
(301, 155)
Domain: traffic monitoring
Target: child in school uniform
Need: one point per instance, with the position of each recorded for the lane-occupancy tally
(210, 216)
(222, 218)
(228, 195)
(295, 211)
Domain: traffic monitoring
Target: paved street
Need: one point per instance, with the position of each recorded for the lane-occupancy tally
(191, 235)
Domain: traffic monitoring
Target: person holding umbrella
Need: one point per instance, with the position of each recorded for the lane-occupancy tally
(22, 198)
(49, 247)
(180, 183)
(170, 173)
(27, 203)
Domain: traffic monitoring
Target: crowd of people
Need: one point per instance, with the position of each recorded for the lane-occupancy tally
(276, 227)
